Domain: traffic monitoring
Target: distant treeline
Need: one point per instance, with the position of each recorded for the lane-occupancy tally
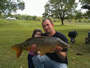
(25, 17)
(37, 18)
(21, 17)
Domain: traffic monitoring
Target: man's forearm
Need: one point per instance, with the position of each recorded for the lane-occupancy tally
(61, 54)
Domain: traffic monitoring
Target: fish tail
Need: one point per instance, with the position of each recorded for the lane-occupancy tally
(18, 50)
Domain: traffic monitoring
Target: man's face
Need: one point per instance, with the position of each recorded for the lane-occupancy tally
(47, 26)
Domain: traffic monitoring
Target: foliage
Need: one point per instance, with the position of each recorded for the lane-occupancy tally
(10, 6)
(84, 2)
(86, 5)
(59, 8)
(87, 15)
(78, 15)
(22, 17)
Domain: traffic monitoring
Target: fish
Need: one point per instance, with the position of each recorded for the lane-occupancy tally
(45, 44)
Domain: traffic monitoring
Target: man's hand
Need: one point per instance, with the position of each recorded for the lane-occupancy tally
(58, 48)
(60, 53)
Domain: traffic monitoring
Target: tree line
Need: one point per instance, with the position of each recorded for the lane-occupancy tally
(57, 9)
(21, 17)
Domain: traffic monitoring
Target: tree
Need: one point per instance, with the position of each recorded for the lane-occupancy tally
(86, 5)
(59, 8)
(78, 15)
(9, 6)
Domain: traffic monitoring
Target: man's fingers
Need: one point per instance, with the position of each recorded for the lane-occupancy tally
(53, 50)
(59, 48)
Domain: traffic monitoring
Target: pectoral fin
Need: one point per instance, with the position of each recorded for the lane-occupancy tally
(44, 52)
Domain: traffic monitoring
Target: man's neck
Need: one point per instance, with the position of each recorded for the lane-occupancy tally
(51, 34)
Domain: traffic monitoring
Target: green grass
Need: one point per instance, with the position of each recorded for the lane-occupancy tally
(13, 32)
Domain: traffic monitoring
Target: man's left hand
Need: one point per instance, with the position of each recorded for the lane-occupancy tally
(58, 48)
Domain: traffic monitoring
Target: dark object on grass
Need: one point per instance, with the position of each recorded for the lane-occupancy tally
(78, 54)
(72, 35)
(88, 34)
(87, 39)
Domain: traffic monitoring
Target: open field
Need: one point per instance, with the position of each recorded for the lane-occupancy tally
(16, 31)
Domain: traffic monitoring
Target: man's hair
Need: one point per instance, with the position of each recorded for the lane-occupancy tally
(47, 19)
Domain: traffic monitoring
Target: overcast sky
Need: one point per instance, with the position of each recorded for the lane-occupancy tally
(33, 7)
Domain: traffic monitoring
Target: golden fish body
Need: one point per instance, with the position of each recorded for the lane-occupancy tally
(45, 44)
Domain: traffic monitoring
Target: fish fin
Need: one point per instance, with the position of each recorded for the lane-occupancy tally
(41, 54)
(51, 50)
(18, 50)
(44, 52)
(27, 48)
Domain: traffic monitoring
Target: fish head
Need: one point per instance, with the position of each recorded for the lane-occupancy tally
(63, 44)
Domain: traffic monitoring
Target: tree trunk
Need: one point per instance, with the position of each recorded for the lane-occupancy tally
(62, 22)
(62, 19)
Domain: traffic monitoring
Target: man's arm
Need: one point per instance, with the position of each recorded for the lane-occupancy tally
(59, 53)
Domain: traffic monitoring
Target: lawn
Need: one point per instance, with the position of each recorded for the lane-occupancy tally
(15, 31)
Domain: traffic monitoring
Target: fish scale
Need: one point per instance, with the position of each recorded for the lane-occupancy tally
(45, 44)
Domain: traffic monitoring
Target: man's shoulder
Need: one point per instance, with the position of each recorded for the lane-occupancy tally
(58, 32)
(61, 36)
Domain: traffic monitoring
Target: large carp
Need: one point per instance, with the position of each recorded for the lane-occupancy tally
(45, 44)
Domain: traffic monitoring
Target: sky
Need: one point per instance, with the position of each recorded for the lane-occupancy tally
(33, 7)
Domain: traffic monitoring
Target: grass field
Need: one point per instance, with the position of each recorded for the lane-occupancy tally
(16, 31)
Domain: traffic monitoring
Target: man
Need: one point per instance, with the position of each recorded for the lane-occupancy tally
(57, 59)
